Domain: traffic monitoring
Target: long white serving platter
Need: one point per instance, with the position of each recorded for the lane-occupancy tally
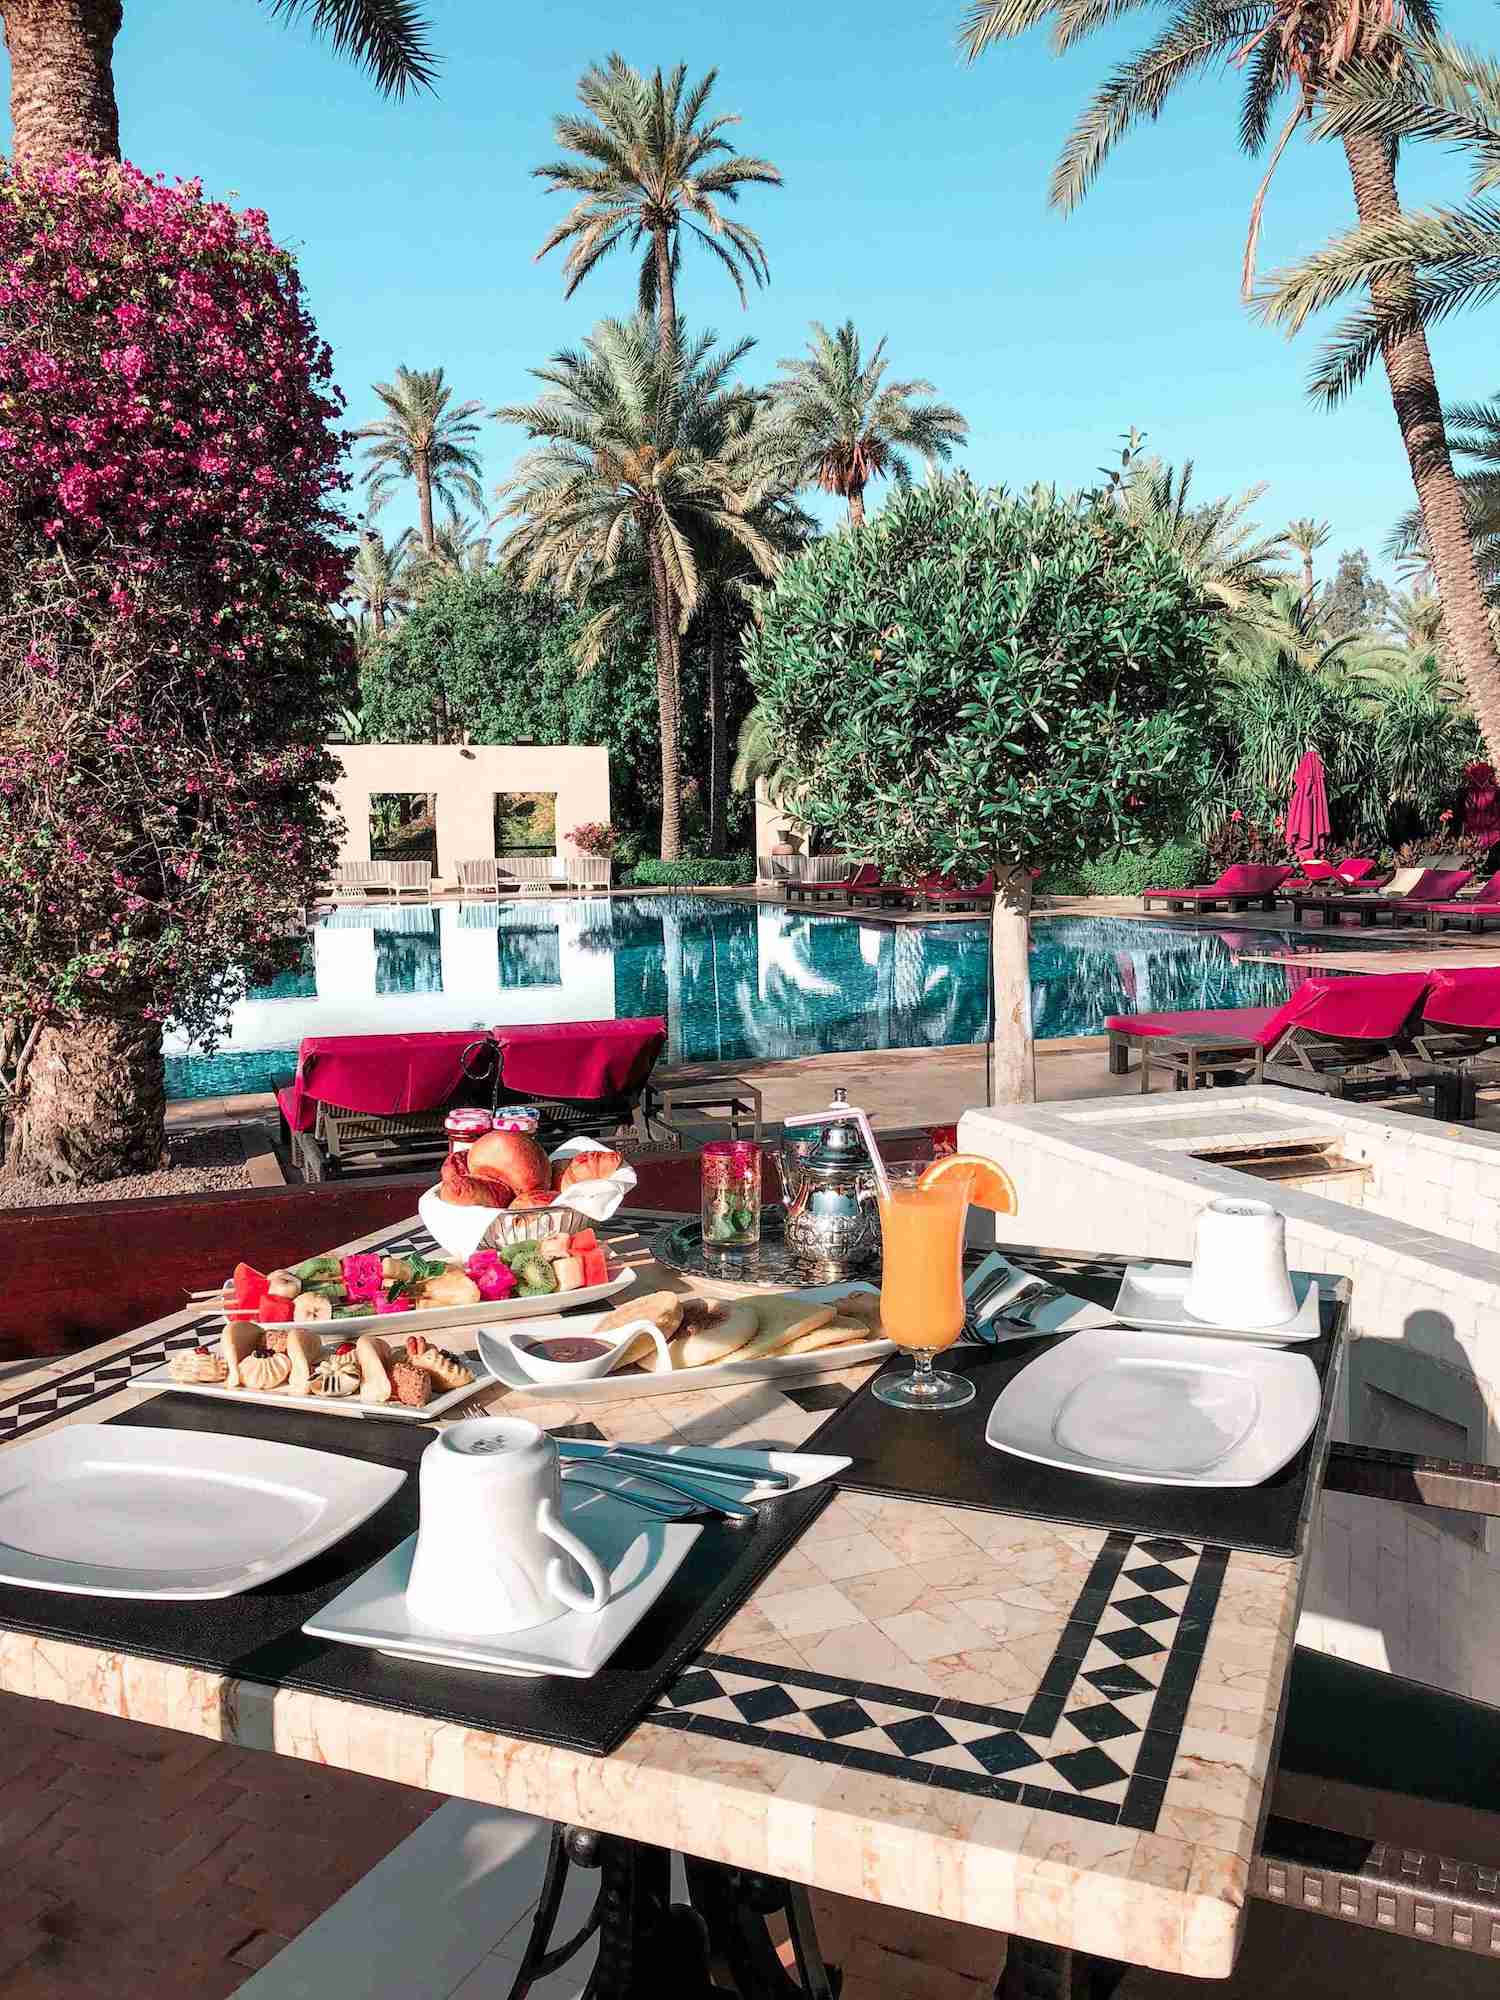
(433, 1319)
(495, 1354)
(391, 1327)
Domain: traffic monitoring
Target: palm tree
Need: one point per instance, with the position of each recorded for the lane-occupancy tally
(1307, 48)
(1286, 629)
(1473, 437)
(1226, 555)
(460, 547)
(849, 426)
(1417, 618)
(1307, 536)
(380, 580)
(62, 85)
(422, 439)
(650, 168)
(636, 470)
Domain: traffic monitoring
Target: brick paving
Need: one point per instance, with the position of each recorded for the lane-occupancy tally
(140, 1864)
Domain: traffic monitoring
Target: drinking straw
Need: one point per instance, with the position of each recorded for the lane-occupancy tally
(840, 1114)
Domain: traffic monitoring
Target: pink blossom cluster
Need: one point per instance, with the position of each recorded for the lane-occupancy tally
(170, 466)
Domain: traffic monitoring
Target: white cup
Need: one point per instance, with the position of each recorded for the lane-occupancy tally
(1240, 1275)
(492, 1553)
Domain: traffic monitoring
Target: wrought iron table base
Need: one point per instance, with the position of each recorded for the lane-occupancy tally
(718, 1944)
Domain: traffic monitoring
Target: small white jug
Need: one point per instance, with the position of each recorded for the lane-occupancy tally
(487, 1556)
(1240, 1275)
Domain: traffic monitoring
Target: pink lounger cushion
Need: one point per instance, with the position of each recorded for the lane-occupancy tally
(1374, 1008)
(1465, 997)
(580, 1059)
(383, 1075)
(1484, 898)
(1234, 1023)
(1245, 878)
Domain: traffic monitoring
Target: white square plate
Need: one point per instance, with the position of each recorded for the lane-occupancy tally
(1159, 1409)
(640, 1554)
(1151, 1296)
(111, 1510)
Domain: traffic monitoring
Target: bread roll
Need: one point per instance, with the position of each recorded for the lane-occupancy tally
(512, 1157)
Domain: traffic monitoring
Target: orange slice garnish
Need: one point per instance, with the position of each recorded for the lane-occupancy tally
(990, 1186)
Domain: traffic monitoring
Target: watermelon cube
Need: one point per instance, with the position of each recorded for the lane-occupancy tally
(595, 1268)
(248, 1284)
(581, 1240)
(273, 1310)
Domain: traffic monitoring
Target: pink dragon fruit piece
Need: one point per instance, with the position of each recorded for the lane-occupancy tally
(495, 1281)
(363, 1277)
(397, 1305)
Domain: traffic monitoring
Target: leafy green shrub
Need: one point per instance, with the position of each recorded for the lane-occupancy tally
(727, 873)
(1176, 864)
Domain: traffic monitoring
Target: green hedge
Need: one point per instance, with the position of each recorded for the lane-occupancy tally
(1176, 864)
(728, 873)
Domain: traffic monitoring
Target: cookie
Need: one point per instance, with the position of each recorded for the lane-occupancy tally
(410, 1384)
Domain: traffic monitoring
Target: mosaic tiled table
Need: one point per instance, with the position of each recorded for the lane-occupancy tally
(1058, 1733)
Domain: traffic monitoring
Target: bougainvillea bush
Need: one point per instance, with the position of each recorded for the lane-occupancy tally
(169, 481)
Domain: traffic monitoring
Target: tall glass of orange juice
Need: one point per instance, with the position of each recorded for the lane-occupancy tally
(922, 1286)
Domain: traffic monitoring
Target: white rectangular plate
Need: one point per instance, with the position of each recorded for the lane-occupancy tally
(495, 1355)
(640, 1553)
(1151, 1296)
(435, 1318)
(115, 1511)
(329, 1406)
(1159, 1409)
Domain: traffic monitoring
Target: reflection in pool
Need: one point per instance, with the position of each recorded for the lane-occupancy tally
(737, 981)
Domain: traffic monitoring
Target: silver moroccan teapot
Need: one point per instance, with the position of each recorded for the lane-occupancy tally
(832, 1224)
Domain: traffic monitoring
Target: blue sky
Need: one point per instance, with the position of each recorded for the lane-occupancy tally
(913, 202)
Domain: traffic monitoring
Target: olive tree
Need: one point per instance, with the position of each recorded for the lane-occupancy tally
(983, 681)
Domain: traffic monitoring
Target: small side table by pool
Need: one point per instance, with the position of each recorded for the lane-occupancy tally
(728, 1097)
(1195, 1059)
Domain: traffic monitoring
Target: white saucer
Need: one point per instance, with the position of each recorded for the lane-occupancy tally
(1151, 1296)
(1158, 1409)
(640, 1553)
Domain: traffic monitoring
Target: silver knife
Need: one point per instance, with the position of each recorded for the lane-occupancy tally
(736, 1466)
(717, 1503)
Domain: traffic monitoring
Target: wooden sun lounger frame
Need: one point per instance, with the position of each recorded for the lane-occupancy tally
(1304, 1060)
(1176, 899)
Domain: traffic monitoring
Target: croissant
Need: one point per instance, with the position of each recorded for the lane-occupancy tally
(460, 1187)
(596, 1166)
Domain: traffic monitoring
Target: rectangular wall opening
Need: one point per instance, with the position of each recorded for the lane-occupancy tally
(403, 827)
(525, 823)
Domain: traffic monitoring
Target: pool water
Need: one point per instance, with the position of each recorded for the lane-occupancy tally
(737, 981)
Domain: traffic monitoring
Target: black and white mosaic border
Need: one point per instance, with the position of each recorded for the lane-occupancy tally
(1096, 1739)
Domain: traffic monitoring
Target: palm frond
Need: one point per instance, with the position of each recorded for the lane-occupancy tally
(389, 38)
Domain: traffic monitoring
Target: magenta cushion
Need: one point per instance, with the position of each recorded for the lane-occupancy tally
(1365, 1007)
(384, 1075)
(1466, 997)
(580, 1059)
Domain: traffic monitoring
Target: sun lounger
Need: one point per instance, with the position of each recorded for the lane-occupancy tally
(380, 1099)
(870, 889)
(1246, 886)
(1432, 885)
(941, 892)
(1334, 876)
(479, 878)
(583, 1076)
(1460, 1028)
(812, 888)
(1346, 1037)
(1470, 913)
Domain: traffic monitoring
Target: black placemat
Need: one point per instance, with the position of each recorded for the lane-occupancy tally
(941, 1455)
(257, 1636)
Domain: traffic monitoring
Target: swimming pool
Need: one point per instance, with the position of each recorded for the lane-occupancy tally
(737, 981)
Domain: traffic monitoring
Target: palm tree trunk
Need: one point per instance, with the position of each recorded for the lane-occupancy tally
(424, 505)
(1307, 578)
(668, 702)
(94, 1103)
(856, 498)
(718, 734)
(62, 86)
(1419, 415)
(666, 293)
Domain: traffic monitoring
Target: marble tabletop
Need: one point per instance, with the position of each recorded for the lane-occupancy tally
(1053, 1731)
